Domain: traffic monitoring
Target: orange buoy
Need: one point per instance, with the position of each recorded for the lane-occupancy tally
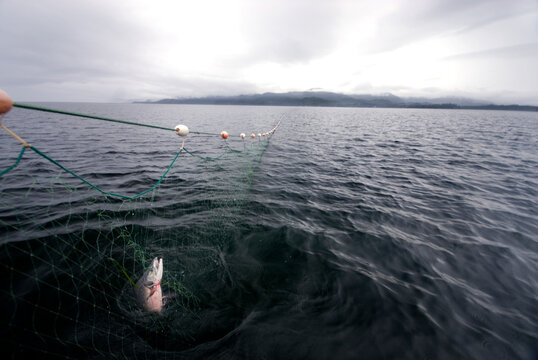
(224, 135)
(252, 135)
(5, 102)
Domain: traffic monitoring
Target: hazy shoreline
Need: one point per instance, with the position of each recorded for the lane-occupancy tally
(328, 99)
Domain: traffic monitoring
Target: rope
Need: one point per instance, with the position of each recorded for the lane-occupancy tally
(55, 111)
(124, 271)
(232, 150)
(99, 189)
(9, 168)
(206, 158)
(108, 193)
(25, 145)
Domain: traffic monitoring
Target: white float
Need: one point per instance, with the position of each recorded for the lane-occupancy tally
(182, 130)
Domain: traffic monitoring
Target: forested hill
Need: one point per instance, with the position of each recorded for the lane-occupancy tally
(317, 98)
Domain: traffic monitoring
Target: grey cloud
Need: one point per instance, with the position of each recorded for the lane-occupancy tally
(99, 50)
(94, 49)
(156, 87)
(82, 43)
(290, 31)
(490, 18)
(515, 51)
(420, 19)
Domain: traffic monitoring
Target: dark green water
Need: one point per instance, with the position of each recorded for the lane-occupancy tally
(351, 233)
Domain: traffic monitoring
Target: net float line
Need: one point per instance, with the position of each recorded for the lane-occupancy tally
(6, 104)
(109, 193)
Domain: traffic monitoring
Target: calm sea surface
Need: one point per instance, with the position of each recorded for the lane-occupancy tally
(350, 233)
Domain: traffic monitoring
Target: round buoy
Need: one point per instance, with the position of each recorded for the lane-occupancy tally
(259, 135)
(242, 136)
(5, 102)
(252, 135)
(264, 134)
(224, 135)
(182, 130)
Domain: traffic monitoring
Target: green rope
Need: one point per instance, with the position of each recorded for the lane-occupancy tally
(96, 187)
(9, 168)
(227, 150)
(232, 150)
(206, 158)
(124, 271)
(108, 193)
(202, 133)
(40, 108)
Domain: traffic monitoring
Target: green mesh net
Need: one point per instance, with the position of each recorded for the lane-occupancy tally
(70, 255)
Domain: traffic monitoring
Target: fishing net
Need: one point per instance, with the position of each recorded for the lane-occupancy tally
(73, 241)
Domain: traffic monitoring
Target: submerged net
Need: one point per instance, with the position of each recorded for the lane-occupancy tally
(70, 251)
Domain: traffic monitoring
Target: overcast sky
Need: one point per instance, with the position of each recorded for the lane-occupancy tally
(105, 50)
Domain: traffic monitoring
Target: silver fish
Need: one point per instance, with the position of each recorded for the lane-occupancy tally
(149, 293)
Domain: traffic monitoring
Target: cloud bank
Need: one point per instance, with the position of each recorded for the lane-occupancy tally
(59, 50)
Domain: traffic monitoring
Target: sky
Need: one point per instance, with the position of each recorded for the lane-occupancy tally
(121, 51)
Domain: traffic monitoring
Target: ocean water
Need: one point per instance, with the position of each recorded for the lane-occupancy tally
(350, 233)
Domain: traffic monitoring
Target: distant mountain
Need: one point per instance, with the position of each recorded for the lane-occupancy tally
(460, 101)
(330, 99)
